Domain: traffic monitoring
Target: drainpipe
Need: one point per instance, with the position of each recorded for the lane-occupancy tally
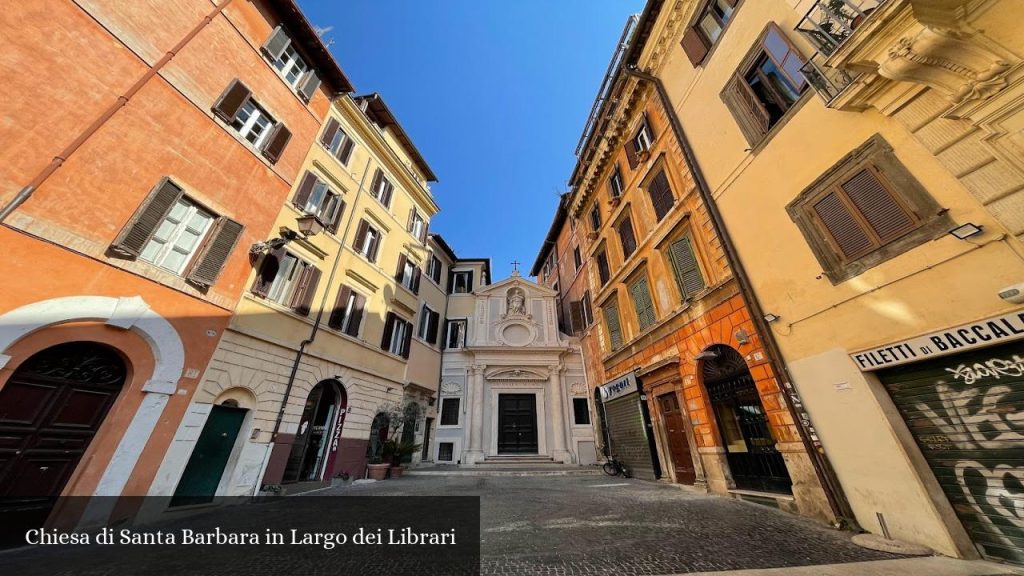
(822, 468)
(320, 313)
(25, 193)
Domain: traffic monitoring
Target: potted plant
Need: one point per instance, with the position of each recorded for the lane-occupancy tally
(401, 419)
(398, 452)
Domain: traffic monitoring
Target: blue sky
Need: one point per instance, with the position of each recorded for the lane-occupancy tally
(493, 92)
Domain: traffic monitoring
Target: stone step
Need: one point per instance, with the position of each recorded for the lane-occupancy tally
(479, 470)
(532, 459)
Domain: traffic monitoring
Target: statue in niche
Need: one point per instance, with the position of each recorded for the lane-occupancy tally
(516, 302)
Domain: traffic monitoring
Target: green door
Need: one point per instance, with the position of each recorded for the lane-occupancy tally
(205, 468)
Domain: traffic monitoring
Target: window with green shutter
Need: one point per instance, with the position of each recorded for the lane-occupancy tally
(611, 320)
(642, 301)
(684, 263)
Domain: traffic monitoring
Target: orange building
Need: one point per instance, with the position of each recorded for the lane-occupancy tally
(148, 146)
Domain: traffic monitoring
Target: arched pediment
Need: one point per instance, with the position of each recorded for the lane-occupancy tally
(516, 374)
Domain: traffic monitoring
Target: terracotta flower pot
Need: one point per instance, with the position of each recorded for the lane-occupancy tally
(397, 471)
(377, 471)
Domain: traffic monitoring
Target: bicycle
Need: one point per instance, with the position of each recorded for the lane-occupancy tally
(613, 467)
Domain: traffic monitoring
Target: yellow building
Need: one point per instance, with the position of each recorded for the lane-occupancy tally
(341, 320)
(866, 159)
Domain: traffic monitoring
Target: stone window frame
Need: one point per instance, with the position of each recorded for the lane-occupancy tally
(934, 220)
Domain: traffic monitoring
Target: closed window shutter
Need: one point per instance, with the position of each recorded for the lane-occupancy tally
(684, 262)
(401, 267)
(306, 289)
(231, 101)
(642, 302)
(851, 239)
(360, 238)
(695, 45)
(432, 331)
(389, 327)
(276, 142)
(305, 188)
(631, 154)
(276, 43)
(219, 244)
(329, 131)
(627, 238)
(750, 114)
(576, 316)
(267, 272)
(310, 82)
(357, 315)
(346, 151)
(147, 218)
(661, 195)
(333, 226)
(338, 313)
(416, 274)
(611, 318)
(407, 344)
(385, 196)
(375, 185)
(602, 267)
(374, 247)
(884, 214)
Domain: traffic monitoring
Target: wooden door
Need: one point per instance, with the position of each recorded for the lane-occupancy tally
(678, 444)
(517, 424)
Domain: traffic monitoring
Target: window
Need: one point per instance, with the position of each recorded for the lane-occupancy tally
(238, 110)
(417, 225)
(172, 231)
(640, 292)
(455, 334)
(766, 86)
(348, 312)
(639, 143)
(581, 314)
(577, 259)
(445, 451)
(602, 268)
(684, 264)
(627, 238)
(611, 320)
(595, 218)
(615, 183)
(367, 241)
(337, 142)
(381, 188)
(397, 335)
(588, 313)
(288, 280)
(711, 21)
(866, 209)
(661, 195)
(461, 282)
(435, 269)
(314, 197)
(428, 326)
(642, 139)
(580, 411)
(284, 56)
(450, 413)
(408, 274)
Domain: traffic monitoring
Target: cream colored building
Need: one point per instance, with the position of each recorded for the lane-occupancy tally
(843, 141)
(334, 324)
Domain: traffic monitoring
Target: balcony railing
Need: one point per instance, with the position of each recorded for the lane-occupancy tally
(827, 82)
(830, 22)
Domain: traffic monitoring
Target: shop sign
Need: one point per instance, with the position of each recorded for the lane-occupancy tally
(620, 387)
(990, 332)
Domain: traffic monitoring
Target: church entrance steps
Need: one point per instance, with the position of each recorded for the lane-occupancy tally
(550, 469)
(519, 459)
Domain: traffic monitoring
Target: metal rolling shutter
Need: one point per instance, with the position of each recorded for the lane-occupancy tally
(629, 437)
(966, 413)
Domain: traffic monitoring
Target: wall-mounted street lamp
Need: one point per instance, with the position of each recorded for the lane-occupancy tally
(308, 226)
(965, 231)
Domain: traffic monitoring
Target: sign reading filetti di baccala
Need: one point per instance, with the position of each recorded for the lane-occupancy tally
(997, 330)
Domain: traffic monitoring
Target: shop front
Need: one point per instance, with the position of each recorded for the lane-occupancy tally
(627, 426)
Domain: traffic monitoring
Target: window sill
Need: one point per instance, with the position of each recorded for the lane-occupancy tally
(449, 427)
(280, 308)
(427, 343)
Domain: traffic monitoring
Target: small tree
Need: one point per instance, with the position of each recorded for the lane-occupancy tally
(399, 415)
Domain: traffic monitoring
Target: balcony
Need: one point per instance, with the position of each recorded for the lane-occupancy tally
(827, 25)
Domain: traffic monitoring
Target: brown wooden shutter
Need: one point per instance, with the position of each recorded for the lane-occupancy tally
(847, 234)
(276, 43)
(358, 305)
(469, 282)
(346, 151)
(327, 136)
(631, 154)
(386, 194)
(401, 267)
(211, 259)
(375, 186)
(684, 262)
(231, 101)
(883, 212)
(147, 218)
(407, 344)
(360, 238)
(305, 188)
(412, 215)
(627, 237)
(267, 272)
(695, 45)
(374, 247)
(337, 316)
(423, 233)
(602, 268)
(416, 274)
(276, 142)
(338, 214)
(576, 316)
(750, 114)
(306, 289)
(661, 195)
(389, 328)
(650, 128)
(310, 82)
(434, 329)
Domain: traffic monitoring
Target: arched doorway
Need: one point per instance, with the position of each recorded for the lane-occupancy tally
(753, 459)
(205, 469)
(50, 410)
(319, 427)
(378, 436)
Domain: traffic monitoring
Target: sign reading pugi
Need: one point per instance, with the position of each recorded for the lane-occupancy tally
(619, 387)
(1005, 328)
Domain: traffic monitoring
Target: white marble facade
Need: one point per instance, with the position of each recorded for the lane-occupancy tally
(514, 370)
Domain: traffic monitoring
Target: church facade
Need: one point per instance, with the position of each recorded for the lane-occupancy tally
(513, 387)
